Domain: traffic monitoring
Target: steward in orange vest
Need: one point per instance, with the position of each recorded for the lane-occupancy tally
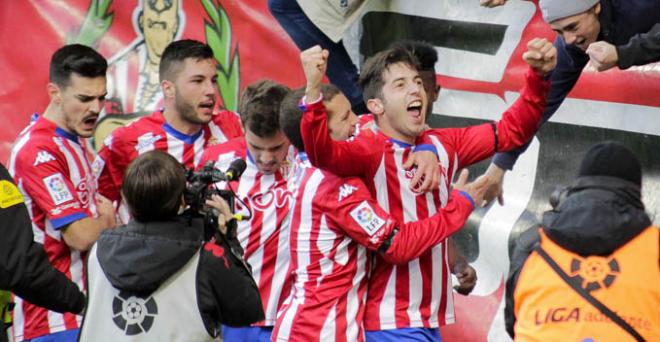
(601, 239)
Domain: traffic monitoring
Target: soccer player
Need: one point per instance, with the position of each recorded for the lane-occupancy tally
(335, 222)
(412, 300)
(185, 126)
(54, 174)
(262, 187)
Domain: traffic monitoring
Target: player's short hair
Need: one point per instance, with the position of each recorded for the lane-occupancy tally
(259, 107)
(76, 59)
(425, 53)
(371, 78)
(153, 186)
(177, 52)
(291, 114)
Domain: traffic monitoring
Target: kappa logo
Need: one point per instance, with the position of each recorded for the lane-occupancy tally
(133, 314)
(43, 157)
(345, 190)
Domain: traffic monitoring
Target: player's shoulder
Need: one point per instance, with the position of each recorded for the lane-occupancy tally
(225, 116)
(340, 187)
(149, 127)
(234, 148)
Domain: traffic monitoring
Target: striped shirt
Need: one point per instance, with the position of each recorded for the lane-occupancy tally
(152, 132)
(54, 174)
(418, 294)
(265, 236)
(335, 222)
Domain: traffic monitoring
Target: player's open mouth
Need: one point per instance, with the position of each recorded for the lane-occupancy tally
(90, 121)
(415, 109)
(207, 106)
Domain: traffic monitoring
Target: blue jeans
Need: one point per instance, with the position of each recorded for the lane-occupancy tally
(341, 70)
(246, 334)
(404, 335)
(62, 336)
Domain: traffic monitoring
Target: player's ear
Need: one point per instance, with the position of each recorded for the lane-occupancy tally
(375, 106)
(54, 92)
(169, 91)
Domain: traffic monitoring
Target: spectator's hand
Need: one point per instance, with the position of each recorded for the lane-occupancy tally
(427, 176)
(106, 211)
(495, 177)
(476, 189)
(224, 214)
(603, 55)
(492, 3)
(467, 278)
(541, 55)
(314, 62)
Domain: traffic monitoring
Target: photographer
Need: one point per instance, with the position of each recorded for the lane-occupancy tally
(155, 277)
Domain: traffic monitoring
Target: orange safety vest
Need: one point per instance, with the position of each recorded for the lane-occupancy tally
(627, 282)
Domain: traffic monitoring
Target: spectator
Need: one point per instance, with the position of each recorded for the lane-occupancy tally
(591, 271)
(55, 177)
(607, 32)
(312, 22)
(154, 278)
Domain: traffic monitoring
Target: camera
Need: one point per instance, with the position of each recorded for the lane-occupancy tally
(200, 186)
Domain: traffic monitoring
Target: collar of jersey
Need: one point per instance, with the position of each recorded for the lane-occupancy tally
(400, 143)
(67, 135)
(188, 139)
(249, 155)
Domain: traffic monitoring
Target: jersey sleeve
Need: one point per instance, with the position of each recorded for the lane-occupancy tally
(343, 158)
(47, 183)
(517, 125)
(352, 209)
(111, 163)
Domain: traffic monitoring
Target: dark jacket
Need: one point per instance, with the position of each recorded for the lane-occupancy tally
(633, 26)
(24, 266)
(139, 257)
(599, 215)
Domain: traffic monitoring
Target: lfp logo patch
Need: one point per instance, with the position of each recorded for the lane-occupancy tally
(366, 217)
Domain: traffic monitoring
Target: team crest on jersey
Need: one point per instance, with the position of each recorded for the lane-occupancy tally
(345, 190)
(57, 189)
(43, 157)
(133, 314)
(367, 218)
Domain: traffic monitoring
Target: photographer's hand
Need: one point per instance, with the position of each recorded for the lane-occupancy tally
(224, 214)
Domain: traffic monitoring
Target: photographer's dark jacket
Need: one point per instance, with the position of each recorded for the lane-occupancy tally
(600, 236)
(24, 266)
(159, 281)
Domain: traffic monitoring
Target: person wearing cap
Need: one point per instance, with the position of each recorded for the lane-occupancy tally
(608, 33)
(591, 271)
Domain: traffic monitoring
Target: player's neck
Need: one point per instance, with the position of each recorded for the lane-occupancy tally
(54, 114)
(174, 119)
(396, 135)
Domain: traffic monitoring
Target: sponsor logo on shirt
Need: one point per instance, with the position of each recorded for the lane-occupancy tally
(58, 210)
(345, 190)
(367, 218)
(97, 166)
(277, 197)
(146, 141)
(43, 157)
(57, 189)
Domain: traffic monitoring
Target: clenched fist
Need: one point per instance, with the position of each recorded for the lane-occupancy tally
(314, 62)
(541, 55)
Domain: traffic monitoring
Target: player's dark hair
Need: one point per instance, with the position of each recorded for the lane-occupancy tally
(291, 114)
(76, 59)
(177, 52)
(371, 78)
(153, 186)
(259, 107)
(425, 53)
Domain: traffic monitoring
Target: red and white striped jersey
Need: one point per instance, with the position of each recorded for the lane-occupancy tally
(335, 222)
(265, 236)
(54, 174)
(418, 294)
(152, 132)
